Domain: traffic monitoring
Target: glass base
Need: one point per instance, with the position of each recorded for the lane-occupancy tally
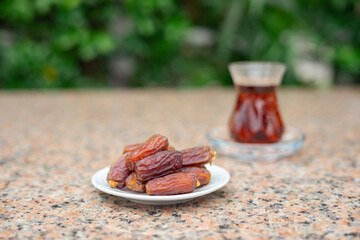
(291, 142)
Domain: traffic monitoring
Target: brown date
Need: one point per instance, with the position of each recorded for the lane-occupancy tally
(153, 145)
(158, 164)
(197, 156)
(118, 172)
(134, 184)
(203, 175)
(131, 147)
(176, 183)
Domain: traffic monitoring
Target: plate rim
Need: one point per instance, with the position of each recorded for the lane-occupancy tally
(144, 197)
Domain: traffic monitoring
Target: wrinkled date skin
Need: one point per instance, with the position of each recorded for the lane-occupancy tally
(131, 147)
(153, 145)
(197, 156)
(159, 164)
(203, 175)
(176, 183)
(134, 184)
(118, 173)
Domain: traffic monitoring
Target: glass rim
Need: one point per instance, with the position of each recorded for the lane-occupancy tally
(247, 64)
(257, 73)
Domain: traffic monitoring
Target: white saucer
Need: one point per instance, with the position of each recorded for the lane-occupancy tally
(290, 143)
(219, 178)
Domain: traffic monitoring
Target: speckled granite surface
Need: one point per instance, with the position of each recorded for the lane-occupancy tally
(52, 142)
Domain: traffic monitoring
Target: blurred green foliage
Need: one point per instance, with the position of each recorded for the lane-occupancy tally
(71, 43)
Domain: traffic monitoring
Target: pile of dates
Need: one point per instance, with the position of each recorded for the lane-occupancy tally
(156, 168)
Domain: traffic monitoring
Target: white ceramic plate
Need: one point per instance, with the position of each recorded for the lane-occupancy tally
(219, 177)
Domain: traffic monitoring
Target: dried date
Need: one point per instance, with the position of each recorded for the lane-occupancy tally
(158, 164)
(176, 183)
(131, 147)
(118, 172)
(197, 156)
(134, 184)
(153, 145)
(203, 175)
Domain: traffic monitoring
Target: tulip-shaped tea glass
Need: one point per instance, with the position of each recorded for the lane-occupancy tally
(256, 128)
(256, 117)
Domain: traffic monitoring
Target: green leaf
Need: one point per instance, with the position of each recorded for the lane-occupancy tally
(17, 10)
(70, 4)
(102, 42)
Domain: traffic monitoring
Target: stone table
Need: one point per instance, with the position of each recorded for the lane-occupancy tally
(52, 142)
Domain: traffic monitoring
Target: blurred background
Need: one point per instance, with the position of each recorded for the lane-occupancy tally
(129, 43)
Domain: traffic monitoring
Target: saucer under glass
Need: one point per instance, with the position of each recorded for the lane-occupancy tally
(291, 141)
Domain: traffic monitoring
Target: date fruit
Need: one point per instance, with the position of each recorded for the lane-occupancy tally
(203, 175)
(158, 164)
(118, 172)
(153, 145)
(134, 184)
(197, 156)
(157, 168)
(176, 183)
(131, 147)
